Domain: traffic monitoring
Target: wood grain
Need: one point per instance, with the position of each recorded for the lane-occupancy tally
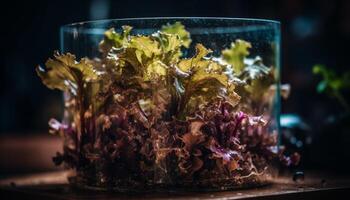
(53, 185)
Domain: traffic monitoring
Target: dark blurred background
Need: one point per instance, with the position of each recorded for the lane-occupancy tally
(314, 31)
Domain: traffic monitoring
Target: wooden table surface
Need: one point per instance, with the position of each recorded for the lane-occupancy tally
(53, 185)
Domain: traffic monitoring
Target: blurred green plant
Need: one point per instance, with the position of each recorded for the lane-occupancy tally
(333, 84)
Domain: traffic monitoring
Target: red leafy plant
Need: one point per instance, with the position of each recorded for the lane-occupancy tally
(143, 116)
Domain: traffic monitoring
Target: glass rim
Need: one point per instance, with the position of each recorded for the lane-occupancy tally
(101, 21)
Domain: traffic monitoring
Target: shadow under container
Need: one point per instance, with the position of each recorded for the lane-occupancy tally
(219, 147)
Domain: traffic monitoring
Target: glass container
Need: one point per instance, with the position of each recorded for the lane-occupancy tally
(209, 120)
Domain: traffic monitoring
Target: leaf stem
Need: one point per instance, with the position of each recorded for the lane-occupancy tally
(341, 100)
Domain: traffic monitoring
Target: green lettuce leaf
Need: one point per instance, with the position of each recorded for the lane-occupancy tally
(236, 54)
(63, 72)
(114, 39)
(257, 80)
(255, 69)
(187, 65)
(170, 45)
(207, 81)
(155, 70)
(178, 29)
(141, 57)
(145, 56)
(145, 47)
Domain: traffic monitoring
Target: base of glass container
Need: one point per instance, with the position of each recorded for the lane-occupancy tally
(251, 181)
